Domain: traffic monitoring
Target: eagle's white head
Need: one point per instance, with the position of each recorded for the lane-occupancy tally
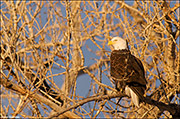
(118, 43)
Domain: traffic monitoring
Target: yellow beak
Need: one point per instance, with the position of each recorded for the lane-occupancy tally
(110, 43)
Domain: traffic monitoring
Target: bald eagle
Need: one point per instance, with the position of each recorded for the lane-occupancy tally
(127, 71)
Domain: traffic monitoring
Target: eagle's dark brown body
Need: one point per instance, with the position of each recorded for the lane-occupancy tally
(129, 69)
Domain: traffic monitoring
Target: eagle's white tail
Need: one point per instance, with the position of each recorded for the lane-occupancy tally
(134, 97)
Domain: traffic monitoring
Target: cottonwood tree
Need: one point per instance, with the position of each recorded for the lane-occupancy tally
(52, 51)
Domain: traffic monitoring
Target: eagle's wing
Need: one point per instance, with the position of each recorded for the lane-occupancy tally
(137, 81)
